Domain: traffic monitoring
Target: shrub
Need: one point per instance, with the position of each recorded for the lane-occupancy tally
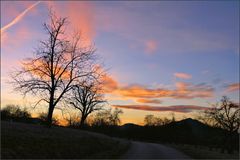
(14, 112)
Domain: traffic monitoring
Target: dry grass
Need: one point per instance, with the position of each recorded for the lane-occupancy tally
(22, 141)
(201, 152)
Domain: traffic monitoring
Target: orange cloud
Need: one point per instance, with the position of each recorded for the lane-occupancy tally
(182, 91)
(19, 17)
(109, 84)
(188, 91)
(150, 46)
(143, 94)
(178, 108)
(233, 87)
(182, 75)
(156, 101)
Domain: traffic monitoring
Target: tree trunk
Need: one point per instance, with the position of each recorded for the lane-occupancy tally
(83, 118)
(50, 113)
(229, 144)
(50, 108)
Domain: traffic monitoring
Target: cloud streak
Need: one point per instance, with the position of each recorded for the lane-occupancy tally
(177, 108)
(233, 87)
(144, 94)
(155, 101)
(19, 17)
(182, 91)
(182, 75)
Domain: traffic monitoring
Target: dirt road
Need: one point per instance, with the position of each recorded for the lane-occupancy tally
(142, 150)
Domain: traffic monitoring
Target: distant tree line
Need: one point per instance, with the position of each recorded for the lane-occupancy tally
(104, 117)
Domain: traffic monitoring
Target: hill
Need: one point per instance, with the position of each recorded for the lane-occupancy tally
(193, 126)
(186, 131)
(25, 141)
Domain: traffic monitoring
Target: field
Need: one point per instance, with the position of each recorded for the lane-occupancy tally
(19, 140)
(203, 152)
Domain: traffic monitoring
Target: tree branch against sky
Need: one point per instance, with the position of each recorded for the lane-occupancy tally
(58, 64)
(88, 97)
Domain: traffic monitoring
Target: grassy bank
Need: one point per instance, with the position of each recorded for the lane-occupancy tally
(19, 140)
(202, 152)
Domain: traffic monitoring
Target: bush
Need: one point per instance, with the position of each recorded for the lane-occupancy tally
(14, 112)
(43, 118)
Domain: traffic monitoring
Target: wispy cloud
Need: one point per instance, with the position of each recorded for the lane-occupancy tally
(155, 101)
(182, 75)
(233, 87)
(177, 108)
(150, 46)
(19, 17)
(110, 84)
(182, 91)
(80, 15)
(144, 94)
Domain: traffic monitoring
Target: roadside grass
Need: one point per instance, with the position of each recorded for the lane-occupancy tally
(24, 141)
(203, 152)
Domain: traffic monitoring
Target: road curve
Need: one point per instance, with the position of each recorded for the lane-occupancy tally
(142, 150)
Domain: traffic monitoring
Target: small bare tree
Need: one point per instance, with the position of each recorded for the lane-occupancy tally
(149, 120)
(225, 115)
(72, 119)
(114, 117)
(58, 64)
(107, 117)
(87, 97)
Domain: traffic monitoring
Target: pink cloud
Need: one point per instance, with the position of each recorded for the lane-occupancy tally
(182, 75)
(150, 46)
(233, 87)
(80, 15)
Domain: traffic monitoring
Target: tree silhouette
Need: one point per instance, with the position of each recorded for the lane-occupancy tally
(58, 64)
(225, 115)
(151, 120)
(107, 117)
(114, 117)
(11, 112)
(87, 97)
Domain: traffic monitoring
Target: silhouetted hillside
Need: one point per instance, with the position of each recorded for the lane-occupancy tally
(129, 126)
(187, 131)
(31, 141)
(195, 127)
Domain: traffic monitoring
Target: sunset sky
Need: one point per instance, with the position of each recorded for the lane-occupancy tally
(162, 57)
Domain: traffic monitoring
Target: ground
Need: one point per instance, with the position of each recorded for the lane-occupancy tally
(22, 141)
(19, 140)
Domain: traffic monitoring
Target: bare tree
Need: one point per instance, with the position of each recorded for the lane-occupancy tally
(107, 117)
(87, 97)
(149, 120)
(225, 115)
(59, 63)
(114, 117)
